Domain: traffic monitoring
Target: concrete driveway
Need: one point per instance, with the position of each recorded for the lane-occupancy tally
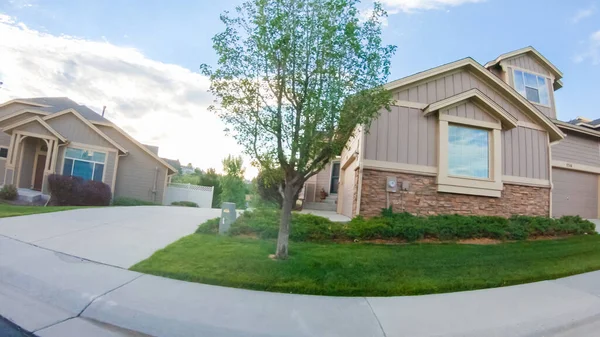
(117, 236)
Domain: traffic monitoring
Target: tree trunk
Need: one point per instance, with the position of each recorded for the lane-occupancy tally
(286, 219)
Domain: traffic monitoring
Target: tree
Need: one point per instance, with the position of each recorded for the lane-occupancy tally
(212, 178)
(268, 183)
(294, 79)
(232, 183)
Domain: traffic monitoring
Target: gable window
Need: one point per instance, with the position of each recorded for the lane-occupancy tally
(468, 152)
(3, 152)
(532, 87)
(85, 164)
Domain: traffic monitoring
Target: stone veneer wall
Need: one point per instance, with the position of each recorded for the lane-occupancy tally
(422, 198)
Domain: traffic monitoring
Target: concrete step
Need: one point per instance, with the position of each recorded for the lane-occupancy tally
(321, 206)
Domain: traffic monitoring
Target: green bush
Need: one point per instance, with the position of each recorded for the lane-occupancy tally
(184, 203)
(124, 201)
(264, 223)
(209, 227)
(9, 192)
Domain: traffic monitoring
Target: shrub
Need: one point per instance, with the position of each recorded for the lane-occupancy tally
(264, 223)
(74, 191)
(209, 227)
(184, 203)
(9, 192)
(125, 201)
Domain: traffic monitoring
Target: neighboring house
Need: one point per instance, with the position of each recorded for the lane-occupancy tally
(46, 135)
(467, 138)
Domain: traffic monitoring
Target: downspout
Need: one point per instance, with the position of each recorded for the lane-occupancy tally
(154, 190)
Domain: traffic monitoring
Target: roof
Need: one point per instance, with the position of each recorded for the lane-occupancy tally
(58, 104)
(577, 127)
(537, 56)
(491, 79)
(475, 94)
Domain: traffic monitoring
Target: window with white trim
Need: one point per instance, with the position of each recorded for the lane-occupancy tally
(85, 164)
(468, 151)
(532, 87)
(3, 152)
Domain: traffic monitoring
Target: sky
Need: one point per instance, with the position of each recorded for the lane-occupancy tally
(141, 58)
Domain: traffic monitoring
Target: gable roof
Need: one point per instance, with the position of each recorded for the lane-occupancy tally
(22, 101)
(577, 128)
(89, 124)
(41, 122)
(479, 97)
(491, 80)
(138, 144)
(537, 56)
(58, 104)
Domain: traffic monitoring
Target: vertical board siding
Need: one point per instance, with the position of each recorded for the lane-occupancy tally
(14, 107)
(404, 135)
(578, 149)
(137, 172)
(527, 62)
(525, 153)
(75, 130)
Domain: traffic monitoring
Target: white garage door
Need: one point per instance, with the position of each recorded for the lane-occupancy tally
(574, 193)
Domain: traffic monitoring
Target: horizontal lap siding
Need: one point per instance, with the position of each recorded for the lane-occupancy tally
(577, 149)
(404, 135)
(323, 177)
(136, 172)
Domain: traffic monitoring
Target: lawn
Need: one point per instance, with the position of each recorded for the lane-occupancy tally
(7, 210)
(370, 270)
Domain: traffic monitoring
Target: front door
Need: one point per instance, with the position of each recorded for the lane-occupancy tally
(335, 178)
(39, 172)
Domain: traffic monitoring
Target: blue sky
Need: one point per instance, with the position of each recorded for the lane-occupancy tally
(174, 37)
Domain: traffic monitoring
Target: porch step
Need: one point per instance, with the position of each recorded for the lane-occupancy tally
(27, 195)
(321, 206)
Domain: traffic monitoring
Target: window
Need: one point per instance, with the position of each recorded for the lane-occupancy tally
(86, 164)
(3, 152)
(532, 87)
(468, 152)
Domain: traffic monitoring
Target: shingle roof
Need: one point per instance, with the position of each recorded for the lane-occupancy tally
(57, 104)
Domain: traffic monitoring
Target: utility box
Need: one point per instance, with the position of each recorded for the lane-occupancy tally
(391, 185)
(228, 216)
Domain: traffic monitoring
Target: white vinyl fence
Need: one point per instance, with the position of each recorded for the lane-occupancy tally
(202, 195)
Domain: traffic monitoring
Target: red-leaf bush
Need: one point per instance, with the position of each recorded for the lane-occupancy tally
(74, 191)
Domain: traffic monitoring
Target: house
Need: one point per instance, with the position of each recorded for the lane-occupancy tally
(46, 135)
(467, 138)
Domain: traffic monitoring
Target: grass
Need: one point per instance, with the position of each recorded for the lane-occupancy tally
(370, 270)
(7, 210)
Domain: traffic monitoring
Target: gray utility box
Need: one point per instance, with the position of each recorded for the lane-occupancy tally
(228, 216)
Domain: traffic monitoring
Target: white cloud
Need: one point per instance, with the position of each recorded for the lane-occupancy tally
(592, 52)
(415, 5)
(583, 13)
(157, 103)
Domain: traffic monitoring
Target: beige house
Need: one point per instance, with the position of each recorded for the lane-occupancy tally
(42, 136)
(467, 138)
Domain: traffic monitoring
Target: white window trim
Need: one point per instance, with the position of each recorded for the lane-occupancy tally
(490, 187)
(4, 147)
(62, 169)
(547, 79)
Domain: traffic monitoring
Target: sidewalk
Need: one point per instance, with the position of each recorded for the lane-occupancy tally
(54, 294)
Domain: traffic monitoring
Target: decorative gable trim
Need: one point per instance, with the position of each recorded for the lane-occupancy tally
(41, 122)
(21, 101)
(508, 120)
(486, 76)
(23, 111)
(90, 125)
(537, 56)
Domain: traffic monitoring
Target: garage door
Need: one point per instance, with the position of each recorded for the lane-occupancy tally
(574, 193)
